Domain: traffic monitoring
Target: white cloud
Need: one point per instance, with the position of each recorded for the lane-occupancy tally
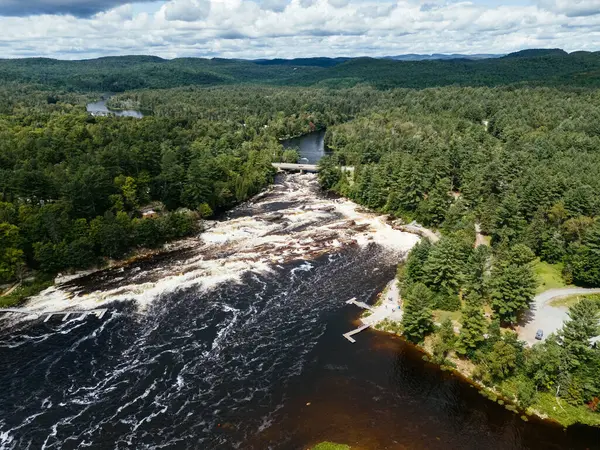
(273, 5)
(339, 3)
(572, 8)
(296, 28)
(186, 10)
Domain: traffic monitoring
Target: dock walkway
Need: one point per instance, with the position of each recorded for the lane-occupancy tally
(362, 305)
(388, 308)
(349, 334)
(99, 313)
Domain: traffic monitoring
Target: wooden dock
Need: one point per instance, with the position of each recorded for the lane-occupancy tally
(349, 334)
(99, 313)
(362, 305)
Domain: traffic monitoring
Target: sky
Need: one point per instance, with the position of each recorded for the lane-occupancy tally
(79, 29)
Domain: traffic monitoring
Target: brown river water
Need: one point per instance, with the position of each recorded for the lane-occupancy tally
(233, 340)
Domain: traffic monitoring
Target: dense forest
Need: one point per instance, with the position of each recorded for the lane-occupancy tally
(75, 188)
(522, 163)
(519, 165)
(504, 151)
(119, 74)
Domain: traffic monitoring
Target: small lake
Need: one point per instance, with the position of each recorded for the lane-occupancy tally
(310, 146)
(99, 108)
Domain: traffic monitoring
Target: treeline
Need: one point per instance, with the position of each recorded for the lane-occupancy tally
(451, 274)
(74, 188)
(119, 74)
(529, 68)
(508, 176)
(123, 73)
(521, 164)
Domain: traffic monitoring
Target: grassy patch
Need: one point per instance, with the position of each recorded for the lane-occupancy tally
(571, 300)
(330, 446)
(441, 315)
(549, 276)
(564, 413)
(389, 326)
(27, 289)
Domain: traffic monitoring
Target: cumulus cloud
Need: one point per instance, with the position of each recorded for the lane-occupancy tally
(300, 28)
(339, 3)
(273, 5)
(187, 10)
(572, 8)
(79, 8)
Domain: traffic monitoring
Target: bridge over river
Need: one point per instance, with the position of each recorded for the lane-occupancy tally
(313, 168)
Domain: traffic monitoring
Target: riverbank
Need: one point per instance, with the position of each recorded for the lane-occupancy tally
(239, 344)
(290, 221)
(546, 407)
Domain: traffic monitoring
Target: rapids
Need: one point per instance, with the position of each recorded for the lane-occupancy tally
(232, 340)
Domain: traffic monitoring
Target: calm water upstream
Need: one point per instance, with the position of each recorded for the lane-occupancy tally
(100, 108)
(234, 340)
(310, 146)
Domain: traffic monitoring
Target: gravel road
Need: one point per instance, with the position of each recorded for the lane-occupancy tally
(546, 317)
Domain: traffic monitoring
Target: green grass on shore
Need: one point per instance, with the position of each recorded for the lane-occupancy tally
(546, 403)
(330, 446)
(571, 300)
(549, 276)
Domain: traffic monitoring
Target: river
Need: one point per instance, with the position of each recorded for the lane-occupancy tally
(233, 340)
(99, 108)
(310, 146)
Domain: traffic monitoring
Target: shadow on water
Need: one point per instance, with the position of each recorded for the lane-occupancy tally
(379, 394)
(255, 364)
(252, 365)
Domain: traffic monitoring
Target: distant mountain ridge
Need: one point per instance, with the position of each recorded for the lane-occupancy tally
(443, 56)
(534, 67)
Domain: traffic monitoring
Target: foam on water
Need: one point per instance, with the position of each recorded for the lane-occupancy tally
(308, 226)
(228, 321)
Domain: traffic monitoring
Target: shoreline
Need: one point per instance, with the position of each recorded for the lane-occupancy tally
(490, 392)
(305, 224)
(379, 231)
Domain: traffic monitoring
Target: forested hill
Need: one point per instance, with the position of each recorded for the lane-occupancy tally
(118, 74)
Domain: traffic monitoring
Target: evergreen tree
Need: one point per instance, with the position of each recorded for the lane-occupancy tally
(410, 185)
(445, 265)
(476, 273)
(473, 328)
(198, 185)
(433, 210)
(509, 221)
(329, 173)
(585, 259)
(582, 326)
(417, 319)
(171, 178)
(413, 269)
(513, 284)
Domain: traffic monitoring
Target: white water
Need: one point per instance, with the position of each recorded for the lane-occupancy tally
(304, 226)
